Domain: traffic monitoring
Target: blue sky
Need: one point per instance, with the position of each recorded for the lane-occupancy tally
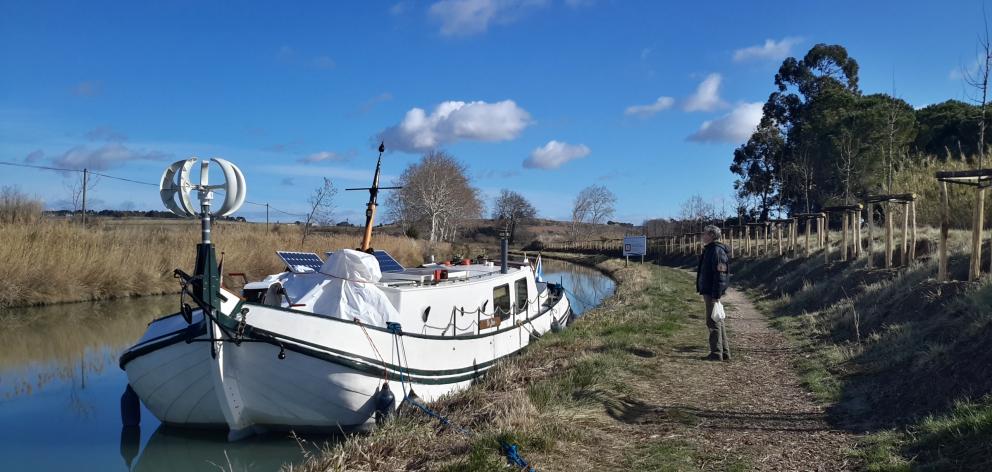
(541, 96)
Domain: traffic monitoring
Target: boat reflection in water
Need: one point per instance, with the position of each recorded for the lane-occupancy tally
(586, 288)
(60, 390)
(174, 449)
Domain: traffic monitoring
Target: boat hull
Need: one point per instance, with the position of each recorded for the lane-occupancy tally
(296, 370)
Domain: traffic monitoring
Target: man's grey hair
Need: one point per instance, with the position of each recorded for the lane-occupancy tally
(713, 231)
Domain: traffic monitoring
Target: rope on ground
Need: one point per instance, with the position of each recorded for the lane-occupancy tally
(512, 455)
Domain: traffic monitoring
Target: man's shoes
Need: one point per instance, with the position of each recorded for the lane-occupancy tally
(726, 357)
(712, 357)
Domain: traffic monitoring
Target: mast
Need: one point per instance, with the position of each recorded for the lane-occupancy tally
(373, 202)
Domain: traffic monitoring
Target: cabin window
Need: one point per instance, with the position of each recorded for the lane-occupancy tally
(501, 301)
(520, 287)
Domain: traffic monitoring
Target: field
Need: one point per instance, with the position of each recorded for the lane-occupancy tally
(53, 262)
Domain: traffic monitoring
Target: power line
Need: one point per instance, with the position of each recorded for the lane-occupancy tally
(62, 169)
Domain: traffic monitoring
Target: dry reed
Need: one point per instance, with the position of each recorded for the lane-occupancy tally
(52, 262)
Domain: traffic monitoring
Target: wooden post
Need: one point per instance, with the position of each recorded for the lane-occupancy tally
(826, 235)
(888, 235)
(905, 234)
(747, 241)
(731, 242)
(843, 238)
(975, 268)
(856, 221)
(869, 217)
(912, 229)
(806, 233)
(767, 232)
(945, 226)
(86, 174)
(778, 231)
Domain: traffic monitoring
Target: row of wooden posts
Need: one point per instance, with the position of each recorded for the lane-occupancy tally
(782, 236)
(801, 234)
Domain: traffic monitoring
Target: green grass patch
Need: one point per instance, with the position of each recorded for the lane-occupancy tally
(670, 455)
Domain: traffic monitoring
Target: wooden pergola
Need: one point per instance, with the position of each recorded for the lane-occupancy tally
(980, 179)
(908, 203)
(806, 218)
(849, 224)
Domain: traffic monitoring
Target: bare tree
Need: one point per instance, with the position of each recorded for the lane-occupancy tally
(511, 208)
(592, 205)
(76, 192)
(436, 194)
(979, 80)
(802, 169)
(321, 203)
(697, 212)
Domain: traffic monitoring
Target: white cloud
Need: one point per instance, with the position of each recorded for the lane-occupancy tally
(707, 95)
(34, 156)
(452, 121)
(770, 50)
(468, 17)
(105, 157)
(662, 103)
(965, 71)
(734, 127)
(105, 133)
(322, 156)
(323, 62)
(554, 154)
(340, 173)
(89, 88)
(399, 8)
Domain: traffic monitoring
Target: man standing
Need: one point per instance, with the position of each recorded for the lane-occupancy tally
(712, 277)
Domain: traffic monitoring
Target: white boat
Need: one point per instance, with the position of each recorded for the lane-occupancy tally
(330, 344)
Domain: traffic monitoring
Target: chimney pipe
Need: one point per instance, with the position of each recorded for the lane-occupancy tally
(504, 254)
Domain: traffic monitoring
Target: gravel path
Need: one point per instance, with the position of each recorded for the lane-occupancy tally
(752, 408)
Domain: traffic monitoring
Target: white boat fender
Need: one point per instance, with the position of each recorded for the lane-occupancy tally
(385, 404)
(130, 408)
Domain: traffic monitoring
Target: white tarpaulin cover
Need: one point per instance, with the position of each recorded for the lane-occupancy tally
(344, 288)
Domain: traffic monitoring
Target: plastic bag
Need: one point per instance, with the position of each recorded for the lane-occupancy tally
(718, 313)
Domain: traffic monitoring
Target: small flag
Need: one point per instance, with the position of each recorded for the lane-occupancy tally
(538, 270)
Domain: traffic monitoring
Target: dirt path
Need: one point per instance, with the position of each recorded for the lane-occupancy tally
(752, 408)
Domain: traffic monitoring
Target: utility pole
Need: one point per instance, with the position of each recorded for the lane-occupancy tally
(85, 184)
(266, 216)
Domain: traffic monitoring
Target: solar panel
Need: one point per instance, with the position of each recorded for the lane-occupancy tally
(299, 261)
(386, 262)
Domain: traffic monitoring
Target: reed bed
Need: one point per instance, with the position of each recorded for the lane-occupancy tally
(52, 262)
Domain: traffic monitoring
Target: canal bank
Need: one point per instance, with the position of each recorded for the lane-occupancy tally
(570, 402)
(624, 388)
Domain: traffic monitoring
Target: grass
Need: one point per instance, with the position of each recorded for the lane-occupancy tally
(51, 262)
(890, 351)
(562, 401)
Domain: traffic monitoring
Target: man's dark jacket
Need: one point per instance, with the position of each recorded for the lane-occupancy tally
(713, 273)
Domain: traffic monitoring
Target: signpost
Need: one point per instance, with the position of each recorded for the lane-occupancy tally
(634, 246)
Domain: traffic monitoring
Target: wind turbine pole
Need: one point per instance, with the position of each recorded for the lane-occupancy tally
(373, 197)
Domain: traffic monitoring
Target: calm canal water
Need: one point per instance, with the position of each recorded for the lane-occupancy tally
(60, 390)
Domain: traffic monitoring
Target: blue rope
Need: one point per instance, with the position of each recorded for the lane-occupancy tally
(510, 450)
(433, 414)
